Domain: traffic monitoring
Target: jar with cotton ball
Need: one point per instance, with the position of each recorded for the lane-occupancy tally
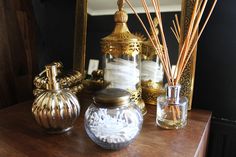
(113, 121)
(122, 58)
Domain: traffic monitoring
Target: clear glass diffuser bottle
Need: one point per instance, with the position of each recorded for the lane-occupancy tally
(172, 109)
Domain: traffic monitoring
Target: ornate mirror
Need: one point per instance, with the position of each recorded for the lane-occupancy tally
(97, 8)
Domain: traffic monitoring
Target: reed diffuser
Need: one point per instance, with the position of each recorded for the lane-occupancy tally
(172, 109)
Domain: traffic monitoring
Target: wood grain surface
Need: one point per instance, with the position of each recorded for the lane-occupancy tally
(17, 51)
(20, 136)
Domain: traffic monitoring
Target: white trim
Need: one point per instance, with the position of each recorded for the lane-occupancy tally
(169, 8)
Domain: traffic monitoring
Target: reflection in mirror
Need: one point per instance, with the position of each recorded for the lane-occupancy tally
(101, 23)
(55, 31)
(104, 7)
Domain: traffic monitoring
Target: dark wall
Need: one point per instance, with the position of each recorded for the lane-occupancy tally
(216, 66)
(215, 79)
(56, 19)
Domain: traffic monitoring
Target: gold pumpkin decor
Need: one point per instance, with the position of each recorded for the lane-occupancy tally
(55, 109)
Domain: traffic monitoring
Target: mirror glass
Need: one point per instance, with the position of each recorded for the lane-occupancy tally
(101, 23)
(104, 7)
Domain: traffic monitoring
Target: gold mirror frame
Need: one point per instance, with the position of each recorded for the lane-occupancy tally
(80, 35)
(187, 80)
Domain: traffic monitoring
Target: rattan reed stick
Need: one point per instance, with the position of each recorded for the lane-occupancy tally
(177, 23)
(199, 35)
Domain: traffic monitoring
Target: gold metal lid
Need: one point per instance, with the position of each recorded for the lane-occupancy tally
(121, 40)
(112, 97)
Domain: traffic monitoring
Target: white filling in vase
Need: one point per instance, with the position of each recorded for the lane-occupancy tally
(121, 73)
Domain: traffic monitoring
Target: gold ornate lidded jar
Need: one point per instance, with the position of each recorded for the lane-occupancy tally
(152, 72)
(55, 109)
(122, 58)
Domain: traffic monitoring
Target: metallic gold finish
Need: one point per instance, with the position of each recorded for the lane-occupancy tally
(121, 43)
(187, 79)
(37, 92)
(140, 36)
(112, 97)
(55, 109)
(80, 36)
(76, 89)
(66, 80)
(151, 91)
(94, 85)
(51, 73)
(136, 97)
(96, 82)
(97, 75)
(71, 80)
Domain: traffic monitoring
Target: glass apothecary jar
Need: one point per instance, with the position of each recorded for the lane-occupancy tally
(112, 121)
(122, 58)
(172, 109)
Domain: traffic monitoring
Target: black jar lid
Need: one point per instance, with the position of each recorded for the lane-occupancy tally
(112, 97)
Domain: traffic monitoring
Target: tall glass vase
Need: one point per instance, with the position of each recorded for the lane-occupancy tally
(172, 109)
